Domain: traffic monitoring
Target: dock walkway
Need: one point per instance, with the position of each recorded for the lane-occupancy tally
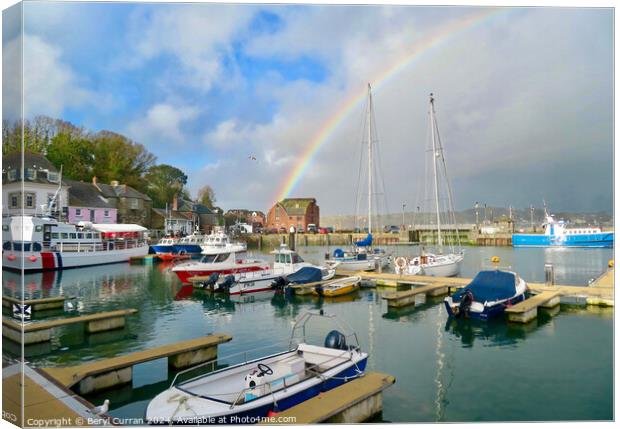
(353, 402)
(118, 370)
(36, 303)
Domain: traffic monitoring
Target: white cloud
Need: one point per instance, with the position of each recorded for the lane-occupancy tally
(162, 124)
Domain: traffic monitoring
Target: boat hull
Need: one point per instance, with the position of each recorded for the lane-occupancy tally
(489, 312)
(353, 265)
(185, 275)
(46, 261)
(602, 239)
(162, 248)
(187, 248)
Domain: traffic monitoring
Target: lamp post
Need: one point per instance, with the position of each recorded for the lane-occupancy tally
(404, 205)
(476, 207)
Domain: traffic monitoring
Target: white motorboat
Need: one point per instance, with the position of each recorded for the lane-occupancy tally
(219, 242)
(252, 390)
(42, 243)
(436, 263)
(221, 264)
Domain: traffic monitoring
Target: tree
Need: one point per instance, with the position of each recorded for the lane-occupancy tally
(206, 196)
(163, 183)
(74, 154)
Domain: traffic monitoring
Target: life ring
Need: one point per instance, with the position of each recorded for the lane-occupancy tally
(401, 264)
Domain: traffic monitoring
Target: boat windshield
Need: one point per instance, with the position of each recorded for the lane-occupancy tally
(214, 259)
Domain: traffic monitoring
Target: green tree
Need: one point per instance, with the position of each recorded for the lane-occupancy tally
(74, 153)
(163, 183)
(206, 196)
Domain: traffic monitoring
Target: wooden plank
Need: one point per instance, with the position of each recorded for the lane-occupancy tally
(34, 301)
(68, 376)
(413, 291)
(30, 327)
(328, 404)
(533, 302)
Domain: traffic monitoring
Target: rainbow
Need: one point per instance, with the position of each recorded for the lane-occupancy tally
(421, 47)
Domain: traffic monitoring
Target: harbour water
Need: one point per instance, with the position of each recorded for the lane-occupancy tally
(558, 367)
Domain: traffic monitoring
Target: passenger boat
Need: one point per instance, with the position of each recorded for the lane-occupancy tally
(487, 296)
(190, 244)
(252, 390)
(233, 262)
(165, 245)
(436, 263)
(338, 287)
(40, 243)
(557, 234)
(219, 242)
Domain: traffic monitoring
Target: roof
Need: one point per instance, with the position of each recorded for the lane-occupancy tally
(296, 206)
(172, 214)
(85, 194)
(201, 209)
(118, 227)
(36, 161)
(126, 191)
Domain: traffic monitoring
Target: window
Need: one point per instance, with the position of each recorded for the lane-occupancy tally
(80, 235)
(64, 235)
(5, 227)
(134, 204)
(78, 212)
(30, 200)
(72, 235)
(14, 200)
(38, 228)
(31, 174)
(12, 175)
(96, 235)
(106, 213)
(54, 235)
(52, 177)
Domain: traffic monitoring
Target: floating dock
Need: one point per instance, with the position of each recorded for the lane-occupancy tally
(38, 332)
(353, 402)
(36, 303)
(107, 373)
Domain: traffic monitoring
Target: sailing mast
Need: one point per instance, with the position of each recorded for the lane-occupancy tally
(439, 240)
(369, 160)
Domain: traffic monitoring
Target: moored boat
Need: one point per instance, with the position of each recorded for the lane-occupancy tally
(221, 264)
(338, 287)
(41, 243)
(165, 245)
(251, 390)
(487, 296)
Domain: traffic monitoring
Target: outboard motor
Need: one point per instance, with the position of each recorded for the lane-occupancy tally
(279, 283)
(465, 305)
(210, 283)
(227, 283)
(319, 290)
(336, 340)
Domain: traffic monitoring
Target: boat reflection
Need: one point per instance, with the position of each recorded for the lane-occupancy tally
(494, 332)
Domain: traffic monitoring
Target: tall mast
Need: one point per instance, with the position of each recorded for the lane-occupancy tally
(439, 241)
(369, 160)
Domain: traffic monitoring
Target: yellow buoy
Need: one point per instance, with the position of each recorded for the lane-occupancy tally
(495, 259)
(610, 264)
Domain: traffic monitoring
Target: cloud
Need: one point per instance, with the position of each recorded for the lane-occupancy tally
(162, 124)
(50, 85)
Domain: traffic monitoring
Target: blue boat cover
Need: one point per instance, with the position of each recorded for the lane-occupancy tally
(365, 242)
(490, 286)
(338, 253)
(305, 275)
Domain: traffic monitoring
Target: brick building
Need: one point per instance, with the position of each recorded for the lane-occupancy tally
(296, 212)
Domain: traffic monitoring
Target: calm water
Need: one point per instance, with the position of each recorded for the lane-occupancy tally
(556, 368)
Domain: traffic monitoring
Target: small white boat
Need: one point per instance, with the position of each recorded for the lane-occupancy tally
(251, 390)
(430, 264)
(219, 242)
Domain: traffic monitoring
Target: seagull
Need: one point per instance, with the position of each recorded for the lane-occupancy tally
(253, 158)
(101, 409)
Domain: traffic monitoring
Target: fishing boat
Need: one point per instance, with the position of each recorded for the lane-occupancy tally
(338, 287)
(438, 263)
(556, 233)
(286, 262)
(42, 243)
(165, 246)
(251, 390)
(363, 256)
(487, 296)
(233, 262)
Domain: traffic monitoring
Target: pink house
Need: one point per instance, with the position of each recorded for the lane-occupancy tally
(87, 204)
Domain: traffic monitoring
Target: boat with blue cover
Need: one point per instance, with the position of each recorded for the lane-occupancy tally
(252, 390)
(487, 296)
(557, 234)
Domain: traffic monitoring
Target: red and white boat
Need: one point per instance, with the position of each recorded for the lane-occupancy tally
(41, 243)
(232, 262)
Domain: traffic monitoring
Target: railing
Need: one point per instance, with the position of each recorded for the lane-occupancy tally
(76, 246)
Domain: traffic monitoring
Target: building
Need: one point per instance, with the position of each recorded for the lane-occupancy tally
(132, 206)
(183, 216)
(295, 212)
(251, 217)
(170, 222)
(41, 181)
(87, 204)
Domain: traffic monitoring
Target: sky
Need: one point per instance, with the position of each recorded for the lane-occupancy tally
(262, 101)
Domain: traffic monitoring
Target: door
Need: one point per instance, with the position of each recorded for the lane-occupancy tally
(92, 215)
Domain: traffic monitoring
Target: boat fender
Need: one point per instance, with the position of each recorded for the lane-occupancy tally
(336, 340)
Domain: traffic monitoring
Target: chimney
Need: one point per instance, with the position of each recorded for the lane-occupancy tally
(114, 183)
(175, 202)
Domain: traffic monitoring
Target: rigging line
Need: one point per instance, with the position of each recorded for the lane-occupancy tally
(361, 126)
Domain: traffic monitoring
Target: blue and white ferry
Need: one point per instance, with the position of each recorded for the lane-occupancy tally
(557, 234)
(165, 245)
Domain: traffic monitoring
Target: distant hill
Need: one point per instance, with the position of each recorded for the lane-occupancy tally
(521, 218)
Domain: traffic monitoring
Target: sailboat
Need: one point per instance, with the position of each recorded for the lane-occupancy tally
(363, 256)
(438, 264)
